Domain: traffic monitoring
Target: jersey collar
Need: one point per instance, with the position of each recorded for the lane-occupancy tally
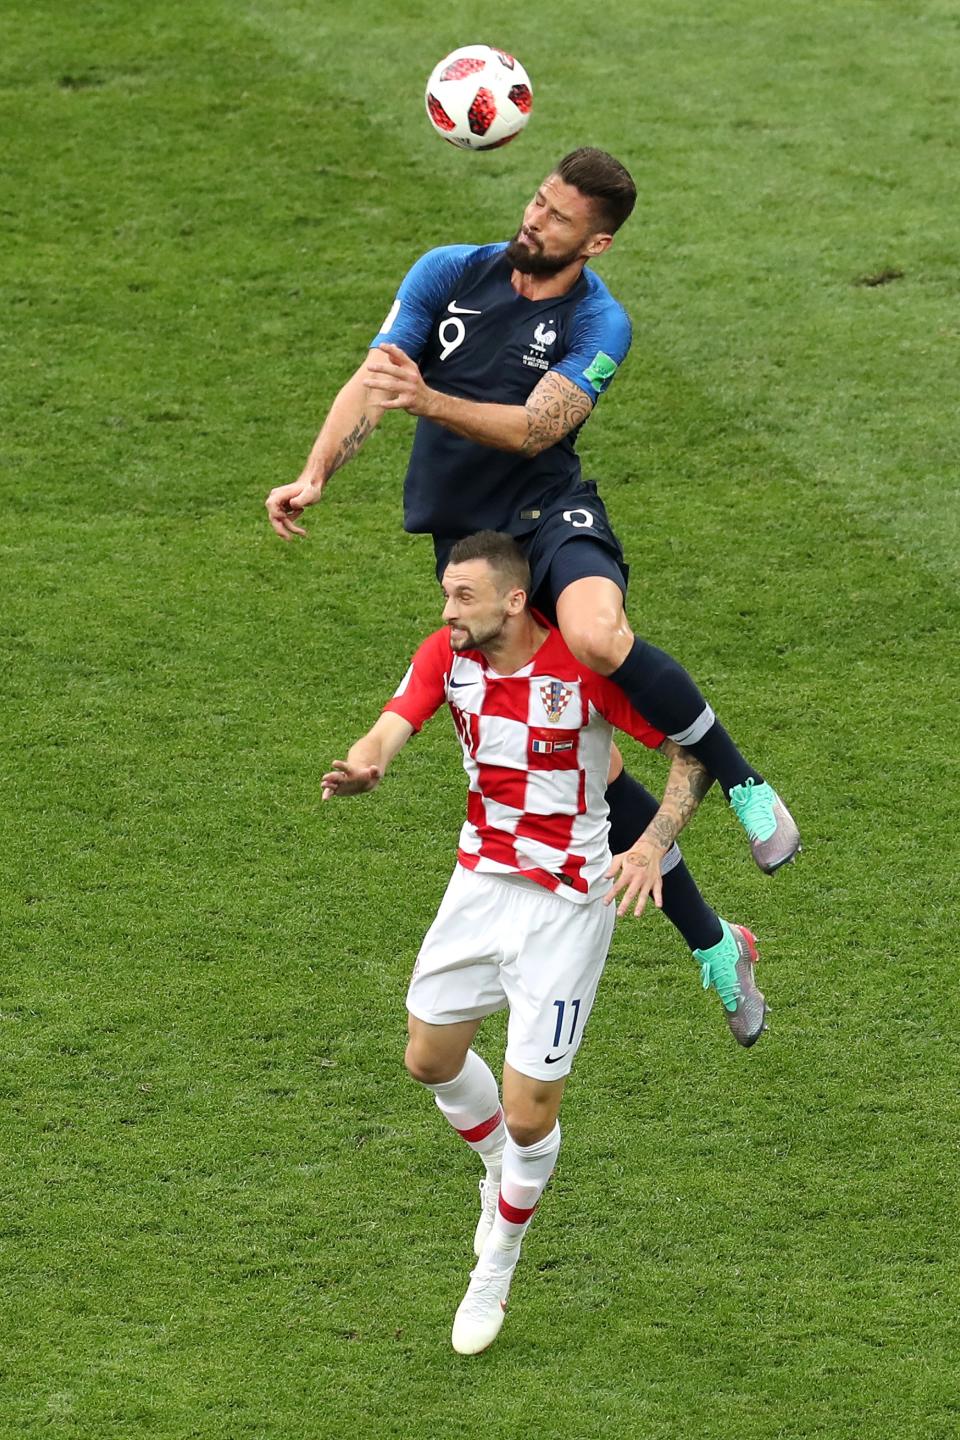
(541, 662)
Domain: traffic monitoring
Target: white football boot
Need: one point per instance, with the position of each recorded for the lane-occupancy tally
(480, 1313)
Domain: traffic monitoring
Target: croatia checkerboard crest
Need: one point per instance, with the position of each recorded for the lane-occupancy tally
(556, 698)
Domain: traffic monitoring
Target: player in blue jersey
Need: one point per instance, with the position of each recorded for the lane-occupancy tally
(501, 352)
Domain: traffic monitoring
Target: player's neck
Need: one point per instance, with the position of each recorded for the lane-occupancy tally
(516, 645)
(547, 287)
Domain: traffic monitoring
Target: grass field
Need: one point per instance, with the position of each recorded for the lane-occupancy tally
(225, 1212)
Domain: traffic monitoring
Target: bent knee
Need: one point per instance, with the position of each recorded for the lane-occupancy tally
(526, 1127)
(428, 1068)
(602, 642)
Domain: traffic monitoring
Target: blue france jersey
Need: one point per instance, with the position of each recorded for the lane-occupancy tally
(457, 314)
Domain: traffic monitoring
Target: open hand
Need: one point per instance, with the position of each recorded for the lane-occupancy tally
(394, 382)
(346, 779)
(637, 872)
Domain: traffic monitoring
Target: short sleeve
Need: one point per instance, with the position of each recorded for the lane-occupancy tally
(423, 689)
(422, 292)
(613, 705)
(599, 341)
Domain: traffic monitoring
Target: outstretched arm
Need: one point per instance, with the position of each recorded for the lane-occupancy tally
(554, 407)
(354, 414)
(368, 758)
(638, 869)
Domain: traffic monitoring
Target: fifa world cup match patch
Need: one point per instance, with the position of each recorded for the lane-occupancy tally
(600, 371)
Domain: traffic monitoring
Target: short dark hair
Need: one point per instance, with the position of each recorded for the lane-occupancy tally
(598, 175)
(502, 554)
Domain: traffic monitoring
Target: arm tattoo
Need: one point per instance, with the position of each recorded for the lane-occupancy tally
(662, 830)
(555, 407)
(699, 781)
(351, 443)
(687, 784)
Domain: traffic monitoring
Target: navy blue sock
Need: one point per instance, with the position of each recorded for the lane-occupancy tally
(631, 809)
(663, 692)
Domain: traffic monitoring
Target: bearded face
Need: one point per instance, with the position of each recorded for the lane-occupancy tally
(528, 254)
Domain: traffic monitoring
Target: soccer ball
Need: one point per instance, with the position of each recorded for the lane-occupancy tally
(479, 97)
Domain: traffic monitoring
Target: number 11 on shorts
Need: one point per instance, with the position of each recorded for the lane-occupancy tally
(560, 1006)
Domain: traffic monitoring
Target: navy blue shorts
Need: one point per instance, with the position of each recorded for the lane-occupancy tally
(569, 539)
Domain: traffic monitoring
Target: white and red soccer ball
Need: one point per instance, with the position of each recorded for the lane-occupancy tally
(479, 97)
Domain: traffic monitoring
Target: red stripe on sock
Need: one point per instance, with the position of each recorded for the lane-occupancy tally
(513, 1214)
(481, 1131)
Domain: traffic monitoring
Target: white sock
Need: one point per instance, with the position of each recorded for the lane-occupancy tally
(526, 1170)
(471, 1103)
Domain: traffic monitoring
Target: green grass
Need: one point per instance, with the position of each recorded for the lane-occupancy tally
(226, 1212)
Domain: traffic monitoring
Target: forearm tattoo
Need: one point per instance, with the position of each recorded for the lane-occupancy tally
(686, 786)
(351, 443)
(555, 407)
(662, 831)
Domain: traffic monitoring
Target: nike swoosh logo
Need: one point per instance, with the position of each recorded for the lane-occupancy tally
(459, 684)
(552, 1059)
(456, 309)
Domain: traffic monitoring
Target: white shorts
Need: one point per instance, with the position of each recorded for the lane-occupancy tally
(499, 941)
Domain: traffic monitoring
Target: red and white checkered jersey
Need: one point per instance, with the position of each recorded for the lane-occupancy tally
(536, 749)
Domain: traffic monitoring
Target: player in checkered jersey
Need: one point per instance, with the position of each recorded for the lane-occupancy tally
(502, 351)
(528, 915)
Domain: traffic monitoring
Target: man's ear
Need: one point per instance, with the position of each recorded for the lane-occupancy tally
(597, 245)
